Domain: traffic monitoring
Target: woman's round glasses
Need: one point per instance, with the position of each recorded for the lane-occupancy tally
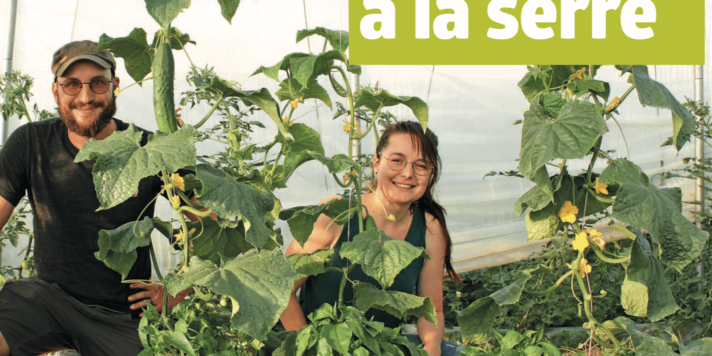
(397, 163)
(73, 86)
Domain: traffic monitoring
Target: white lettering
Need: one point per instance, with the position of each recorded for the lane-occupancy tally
(600, 7)
(387, 18)
(460, 20)
(422, 18)
(629, 19)
(568, 16)
(530, 18)
(495, 13)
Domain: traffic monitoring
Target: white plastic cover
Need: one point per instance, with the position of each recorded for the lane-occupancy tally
(471, 107)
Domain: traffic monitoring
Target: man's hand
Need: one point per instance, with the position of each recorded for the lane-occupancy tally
(153, 293)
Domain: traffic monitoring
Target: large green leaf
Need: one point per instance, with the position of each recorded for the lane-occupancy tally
(546, 76)
(228, 8)
(338, 163)
(569, 136)
(642, 205)
(545, 222)
(260, 98)
(697, 347)
(178, 39)
(291, 89)
(179, 340)
(477, 320)
(301, 219)
(646, 344)
(339, 40)
(645, 291)
(310, 264)
(117, 248)
(338, 336)
(260, 282)
(165, 11)
(122, 162)
(133, 49)
(383, 99)
(306, 68)
(211, 239)
(398, 304)
(539, 196)
(380, 256)
(273, 71)
(653, 93)
(228, 198)
(297, 150)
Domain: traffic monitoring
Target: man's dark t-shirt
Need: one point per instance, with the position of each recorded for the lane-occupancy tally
(38, 158)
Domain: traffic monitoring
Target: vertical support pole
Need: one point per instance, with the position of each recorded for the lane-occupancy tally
(700, 155)
(9, 53)
(355, 144)
(8, 67)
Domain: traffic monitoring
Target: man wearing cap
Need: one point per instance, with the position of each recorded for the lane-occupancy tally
(74, 301)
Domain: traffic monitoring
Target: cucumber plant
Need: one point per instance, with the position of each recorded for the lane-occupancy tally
(231, 257)
(568, 117)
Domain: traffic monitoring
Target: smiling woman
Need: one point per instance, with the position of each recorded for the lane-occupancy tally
(402, 205)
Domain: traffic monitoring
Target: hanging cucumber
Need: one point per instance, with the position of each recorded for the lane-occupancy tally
(163, 77)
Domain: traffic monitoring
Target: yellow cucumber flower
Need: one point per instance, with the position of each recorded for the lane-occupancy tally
(614, 103)
(601, 187)
(578, 74)
(568, 212)
(294, 103)
(597, 237)
(580, 242)
(178, 180)
(347, 128)
(175, 201)
(584, 267)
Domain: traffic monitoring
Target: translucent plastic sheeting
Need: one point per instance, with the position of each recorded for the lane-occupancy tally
(471, 107)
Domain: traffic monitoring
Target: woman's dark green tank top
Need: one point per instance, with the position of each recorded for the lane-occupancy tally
(324, 288)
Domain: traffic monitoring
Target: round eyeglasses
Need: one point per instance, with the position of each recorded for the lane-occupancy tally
(397, 163)
(73, 86)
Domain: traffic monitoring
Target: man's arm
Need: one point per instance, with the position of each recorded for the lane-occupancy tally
(5, 212)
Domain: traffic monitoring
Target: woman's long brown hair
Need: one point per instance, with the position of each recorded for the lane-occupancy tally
(427, 143)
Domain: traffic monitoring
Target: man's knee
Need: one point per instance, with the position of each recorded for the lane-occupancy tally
(4, 349)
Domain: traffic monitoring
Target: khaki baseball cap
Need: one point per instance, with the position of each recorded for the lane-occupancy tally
(77, 51)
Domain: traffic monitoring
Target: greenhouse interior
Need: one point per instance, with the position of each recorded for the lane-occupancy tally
(576, 196)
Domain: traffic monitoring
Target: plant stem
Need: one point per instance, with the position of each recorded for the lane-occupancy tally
(553, 287)
(187, 209)
(596, 148)
(587, 309)
(210, 113)
(155, 263)
(359, 207)
(350, 100)
(606, 259)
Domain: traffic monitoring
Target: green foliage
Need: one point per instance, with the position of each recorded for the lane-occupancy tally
(398, 304)
(117, 248)
(134, 49)
(15, 88)
(570, 135)
(381, 256)
(122, 162)
(645, 291)
(260, 300)
(644, 206)
(513, 343)
(230, 198)
(347, 333)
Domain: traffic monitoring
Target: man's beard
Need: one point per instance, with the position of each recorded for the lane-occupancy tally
(93, 128)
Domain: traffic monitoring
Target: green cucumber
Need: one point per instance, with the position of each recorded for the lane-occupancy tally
(163, 77)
